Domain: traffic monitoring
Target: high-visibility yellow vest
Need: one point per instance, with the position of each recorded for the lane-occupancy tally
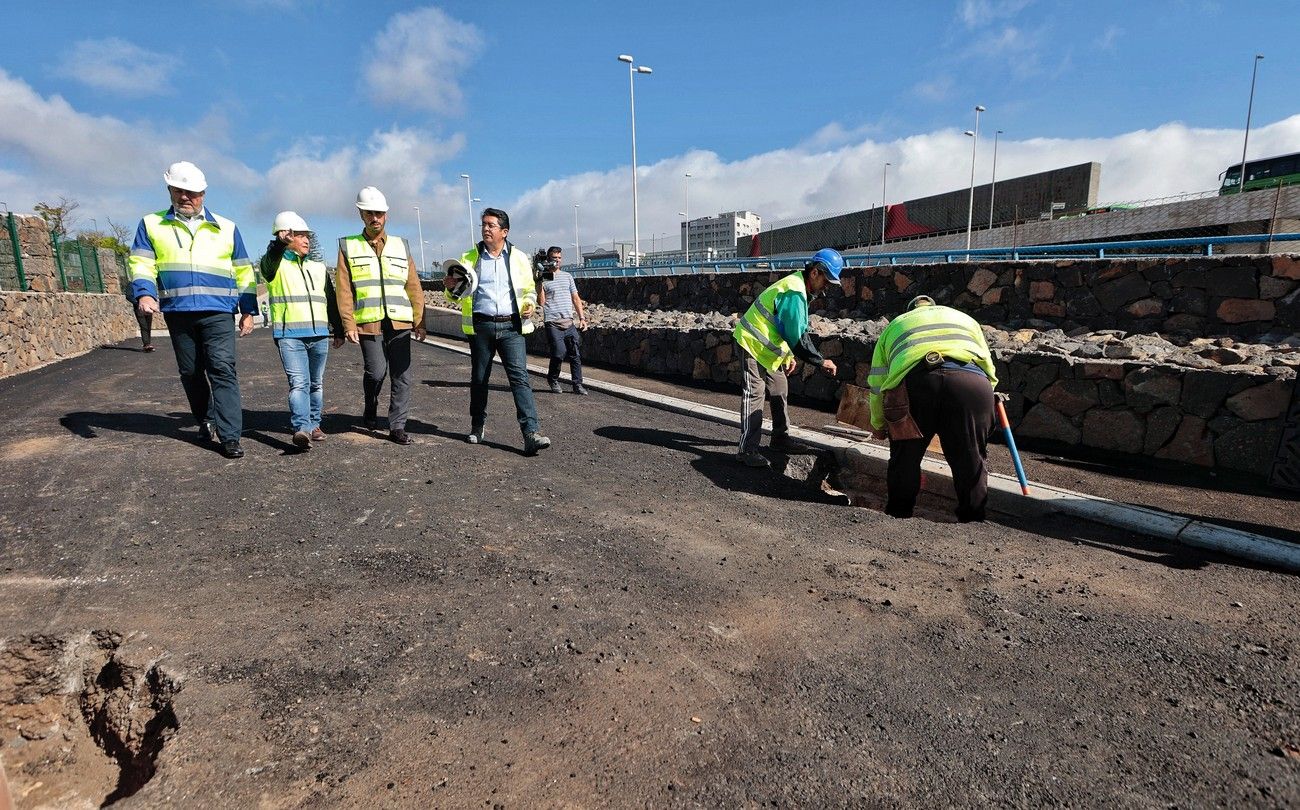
(204, 270)
(299, 307)
(757, 332)
(522, 285)
(378, 282)
(908, 338)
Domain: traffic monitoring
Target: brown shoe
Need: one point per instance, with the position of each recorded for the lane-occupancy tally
(318, 435)
(399, 436)
(302, 440)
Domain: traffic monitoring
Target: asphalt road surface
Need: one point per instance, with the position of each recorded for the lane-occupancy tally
(628, 619)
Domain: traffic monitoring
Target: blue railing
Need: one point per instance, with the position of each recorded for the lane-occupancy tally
(1084, 250)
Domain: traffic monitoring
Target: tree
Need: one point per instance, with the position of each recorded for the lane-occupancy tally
(60, 218)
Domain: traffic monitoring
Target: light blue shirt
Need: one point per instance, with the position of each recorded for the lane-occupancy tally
(493, 294)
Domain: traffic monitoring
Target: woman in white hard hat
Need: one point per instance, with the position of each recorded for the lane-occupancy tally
(304, 314)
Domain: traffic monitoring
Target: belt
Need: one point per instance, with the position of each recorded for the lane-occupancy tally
(494, 318)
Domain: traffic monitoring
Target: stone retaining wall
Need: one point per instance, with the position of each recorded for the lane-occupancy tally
(1209, 418)
(1243, 296)
(40, 327)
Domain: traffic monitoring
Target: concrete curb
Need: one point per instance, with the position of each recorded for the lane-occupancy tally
(1004, 491)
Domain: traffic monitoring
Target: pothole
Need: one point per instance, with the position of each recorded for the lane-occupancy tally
(83, 719)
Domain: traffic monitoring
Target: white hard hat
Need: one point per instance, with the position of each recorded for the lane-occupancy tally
(459, 279)
(288, 221)
(371, 199)
(185, 176)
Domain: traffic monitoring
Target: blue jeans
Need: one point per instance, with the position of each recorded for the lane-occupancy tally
(304, 365)
(500, 338)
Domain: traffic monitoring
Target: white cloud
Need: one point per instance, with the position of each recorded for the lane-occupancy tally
(1109, 37)
(420, 57)
(805, 182)
(938, 89)
(100, 150)
(117, 66)
(977, 13)
(398, 161)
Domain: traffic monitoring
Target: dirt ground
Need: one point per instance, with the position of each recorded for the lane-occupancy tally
(629, 619)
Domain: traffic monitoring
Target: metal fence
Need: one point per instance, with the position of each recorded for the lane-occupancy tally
(77, 263)
(1203, 246)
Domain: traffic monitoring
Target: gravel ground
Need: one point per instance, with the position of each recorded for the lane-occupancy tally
(629, 619)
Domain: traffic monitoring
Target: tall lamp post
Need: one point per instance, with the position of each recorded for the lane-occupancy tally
(420, 225)
(975, 139)
(686, 214)
(577, 248)
(993, 184)
(631, 92)
(469, 204)
(884, 210)
(1241, 185)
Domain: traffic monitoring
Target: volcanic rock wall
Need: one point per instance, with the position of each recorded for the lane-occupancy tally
(1240, 296)
(37, 327)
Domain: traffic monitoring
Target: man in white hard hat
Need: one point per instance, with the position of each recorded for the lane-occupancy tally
(191, 265)
(304, 314)
(381, 304)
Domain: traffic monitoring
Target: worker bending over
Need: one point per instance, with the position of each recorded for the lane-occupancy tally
(773, 332)
(931, 372)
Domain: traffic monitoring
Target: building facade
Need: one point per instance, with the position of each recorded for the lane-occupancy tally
(716, 236)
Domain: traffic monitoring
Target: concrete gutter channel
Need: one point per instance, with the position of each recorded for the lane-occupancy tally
(868, 460)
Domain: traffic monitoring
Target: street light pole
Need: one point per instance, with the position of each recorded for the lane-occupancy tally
(577, 248)
(420, 225)
(884, 210)
(686, 214)
(975, 139)
(993, 184)
(469, 204)
(1241, 185)
(631, 92)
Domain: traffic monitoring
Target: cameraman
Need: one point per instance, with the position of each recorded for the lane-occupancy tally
(564, 316)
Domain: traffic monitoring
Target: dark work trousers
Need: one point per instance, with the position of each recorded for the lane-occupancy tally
(388, 354)
(566, 344)
(759, 383)
(205, 355)
(489, 338)
(958, 406)
(146, 328)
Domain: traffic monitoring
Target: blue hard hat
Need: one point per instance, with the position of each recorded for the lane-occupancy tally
(830, 259)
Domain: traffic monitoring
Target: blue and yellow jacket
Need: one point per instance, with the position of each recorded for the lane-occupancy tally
(207, 270)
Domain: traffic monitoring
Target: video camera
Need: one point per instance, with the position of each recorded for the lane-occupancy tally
(544, 267)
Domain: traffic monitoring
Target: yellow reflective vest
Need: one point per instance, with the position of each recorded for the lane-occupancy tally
(757, 332)
(523, 288)
(908, 338)
(299, 298)
(378, 282)
(204, 270)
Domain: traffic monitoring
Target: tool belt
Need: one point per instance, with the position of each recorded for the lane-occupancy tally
(898, 414)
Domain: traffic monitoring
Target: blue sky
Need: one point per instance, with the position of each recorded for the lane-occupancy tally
(790, 110)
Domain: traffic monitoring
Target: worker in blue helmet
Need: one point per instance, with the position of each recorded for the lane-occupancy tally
(773, 332)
